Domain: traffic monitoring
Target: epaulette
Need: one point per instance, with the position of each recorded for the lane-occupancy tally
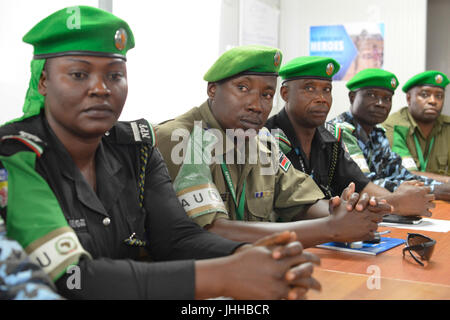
(334, 130)
(282, 139)
(30, 141)
(128, 132)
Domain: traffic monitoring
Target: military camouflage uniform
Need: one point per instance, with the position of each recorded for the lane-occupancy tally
(279, 196)
(374, 155)
(19, 278)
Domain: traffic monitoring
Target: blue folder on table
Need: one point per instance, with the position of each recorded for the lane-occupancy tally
(367, 248)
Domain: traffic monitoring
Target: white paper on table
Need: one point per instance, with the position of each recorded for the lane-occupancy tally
(427, 224)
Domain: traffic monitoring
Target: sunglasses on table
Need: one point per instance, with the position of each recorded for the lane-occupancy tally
(420, 244)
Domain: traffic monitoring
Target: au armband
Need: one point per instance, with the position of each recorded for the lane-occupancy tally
(409, 163)
(201, 199)
(56, 251)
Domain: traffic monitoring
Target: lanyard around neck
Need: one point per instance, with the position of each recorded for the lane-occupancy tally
(423, 163)
(240, 205)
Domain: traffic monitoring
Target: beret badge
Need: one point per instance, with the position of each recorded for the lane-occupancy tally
(277, 59)
(393, 83)
(330, 69)
(120, 39)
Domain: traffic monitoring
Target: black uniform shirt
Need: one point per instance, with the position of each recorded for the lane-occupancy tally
(321, 158)
(103, 219)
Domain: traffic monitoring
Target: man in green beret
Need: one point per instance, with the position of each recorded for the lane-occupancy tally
(371, 92)
(85, 194)
(419, 133)
(229, 173)
(311, 146)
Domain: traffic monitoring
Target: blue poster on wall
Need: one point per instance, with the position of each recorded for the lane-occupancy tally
(355, 46)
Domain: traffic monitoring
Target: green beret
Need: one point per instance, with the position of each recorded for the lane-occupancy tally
(430, 78)
(80, 30)
(251, 59)
(373, 78)
(310, 67)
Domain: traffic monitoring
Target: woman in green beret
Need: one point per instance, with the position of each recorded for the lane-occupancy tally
(86, 193)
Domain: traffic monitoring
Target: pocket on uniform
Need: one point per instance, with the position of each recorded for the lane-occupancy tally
(260, 206)
(443, 164)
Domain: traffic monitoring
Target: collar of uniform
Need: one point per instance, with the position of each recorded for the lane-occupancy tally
(404, 112)
(54, 143)
(362, 134)
(321, 134)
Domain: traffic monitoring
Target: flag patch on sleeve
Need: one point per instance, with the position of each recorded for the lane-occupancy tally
(284, 162)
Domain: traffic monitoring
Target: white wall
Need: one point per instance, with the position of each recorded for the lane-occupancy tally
(405, 35)
(176, 42)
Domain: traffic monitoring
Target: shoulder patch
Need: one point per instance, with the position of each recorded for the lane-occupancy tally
(29, 140)
(128, 132)
(335, 131)
(143, 131)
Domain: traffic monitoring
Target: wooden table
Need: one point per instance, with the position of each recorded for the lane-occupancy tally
(346, 275)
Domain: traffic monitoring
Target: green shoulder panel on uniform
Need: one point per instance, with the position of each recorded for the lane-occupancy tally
(399, 118)
(345, 126)
(129, 132)
(283, 141)
(399, 136)
(45, 234)
(350, 144)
